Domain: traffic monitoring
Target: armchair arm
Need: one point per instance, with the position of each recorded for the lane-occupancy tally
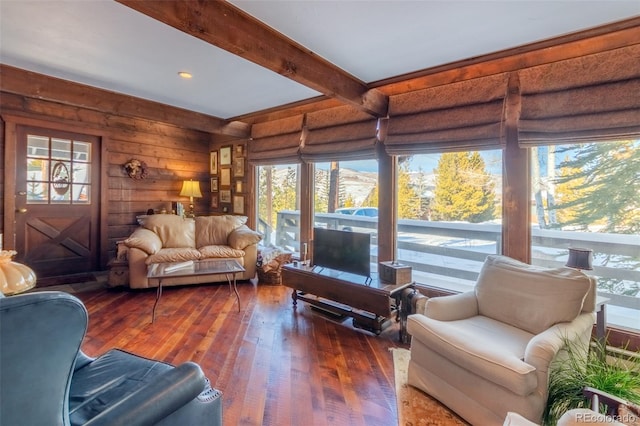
(543, 348)
(156, 400)
(451, 308)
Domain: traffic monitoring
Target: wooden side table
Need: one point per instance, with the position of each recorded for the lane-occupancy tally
(118, 273)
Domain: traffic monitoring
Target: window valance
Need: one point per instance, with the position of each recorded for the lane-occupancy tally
(463, 115)
(276, 142)
(340, 133)
(591, 98)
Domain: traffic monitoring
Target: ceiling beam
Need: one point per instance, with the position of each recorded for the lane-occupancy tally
(39, 86)
(228, 27)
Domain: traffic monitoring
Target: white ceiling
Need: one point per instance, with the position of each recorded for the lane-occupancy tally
(107, 45)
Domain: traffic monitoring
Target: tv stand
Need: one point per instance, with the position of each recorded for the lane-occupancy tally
(366, 300)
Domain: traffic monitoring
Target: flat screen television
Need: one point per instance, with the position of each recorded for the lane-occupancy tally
(342, 250)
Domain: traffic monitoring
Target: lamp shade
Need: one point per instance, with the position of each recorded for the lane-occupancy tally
(580, 258)
(14, 277)
(191, 189)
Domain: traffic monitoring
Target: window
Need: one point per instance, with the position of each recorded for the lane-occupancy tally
(588, 196)
(449, 215)
(346, 198)
(278, 205)
(58, 171)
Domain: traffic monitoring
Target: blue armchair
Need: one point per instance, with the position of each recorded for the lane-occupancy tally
(46, 379)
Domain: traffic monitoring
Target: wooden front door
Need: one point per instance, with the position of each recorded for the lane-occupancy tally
(57, 202)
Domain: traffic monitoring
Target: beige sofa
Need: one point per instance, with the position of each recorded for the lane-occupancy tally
(170, 238)
(489, 351)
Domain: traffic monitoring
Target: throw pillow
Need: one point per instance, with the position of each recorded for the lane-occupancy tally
(215, 230)
(145, 240)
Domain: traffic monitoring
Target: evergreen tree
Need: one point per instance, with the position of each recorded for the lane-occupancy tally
(607, 177)
(464, 189)
(408, 197)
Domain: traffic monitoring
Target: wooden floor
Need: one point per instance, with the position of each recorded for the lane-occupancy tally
(275, 365)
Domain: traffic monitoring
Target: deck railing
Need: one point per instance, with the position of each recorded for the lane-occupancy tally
(457, 250)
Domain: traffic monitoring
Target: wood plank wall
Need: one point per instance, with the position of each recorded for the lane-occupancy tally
(172, 154)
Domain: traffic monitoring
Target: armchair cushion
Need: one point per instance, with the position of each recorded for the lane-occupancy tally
(215, 230)
(174, 231)
(103, 387)
(529, 297)
(464, 342)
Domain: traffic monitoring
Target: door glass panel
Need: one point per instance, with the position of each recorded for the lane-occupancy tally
(58, 171)
(81, 173)
(80, 194)
(37, 146)
(81, 151)
(60, 149)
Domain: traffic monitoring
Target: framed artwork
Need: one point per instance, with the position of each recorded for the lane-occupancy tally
(213, 162)
(225, 177)
(238, 204)
(239, 151)
(225, 196)
(214, 184)
(225, 156)
(238, 167)
(239, 186)
(214, 201)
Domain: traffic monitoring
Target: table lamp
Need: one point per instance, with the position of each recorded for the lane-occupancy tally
(190, 189)
(580, 258)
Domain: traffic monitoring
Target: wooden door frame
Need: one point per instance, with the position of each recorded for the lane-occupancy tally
(10, 169)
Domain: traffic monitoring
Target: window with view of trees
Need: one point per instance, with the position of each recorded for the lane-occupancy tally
(346, 198)
(449, 214)
(588, 196)
(278, 205)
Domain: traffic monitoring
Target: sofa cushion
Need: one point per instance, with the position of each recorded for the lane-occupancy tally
(243, 237)
(174, 231)
(464, 342)
(217, 251)
(529, 297)
(145, 240)
(215, 230)
(173, 255)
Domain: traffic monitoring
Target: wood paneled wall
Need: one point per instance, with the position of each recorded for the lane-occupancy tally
(172, 154)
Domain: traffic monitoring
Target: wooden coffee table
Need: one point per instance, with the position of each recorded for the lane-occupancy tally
(158, 272)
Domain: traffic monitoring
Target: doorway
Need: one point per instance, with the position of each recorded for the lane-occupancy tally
(57, 202)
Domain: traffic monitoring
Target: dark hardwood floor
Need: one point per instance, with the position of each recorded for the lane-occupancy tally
(275, 365)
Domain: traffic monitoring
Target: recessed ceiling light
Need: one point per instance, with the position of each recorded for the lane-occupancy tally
(185, 74)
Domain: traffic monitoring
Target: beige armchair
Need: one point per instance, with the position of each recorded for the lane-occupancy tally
(489, 351)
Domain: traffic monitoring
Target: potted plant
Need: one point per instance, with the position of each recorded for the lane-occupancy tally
(618, 375)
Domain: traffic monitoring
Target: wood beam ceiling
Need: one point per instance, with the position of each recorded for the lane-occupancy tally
(39, 86)
(227, 27)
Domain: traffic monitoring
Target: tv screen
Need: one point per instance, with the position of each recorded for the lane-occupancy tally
(342, 250)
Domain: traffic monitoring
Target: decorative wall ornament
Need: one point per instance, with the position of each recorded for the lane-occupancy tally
(60, 178)
(136, 169)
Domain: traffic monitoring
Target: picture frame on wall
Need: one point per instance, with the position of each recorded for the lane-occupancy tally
(225, 177)
(238, 167)
(225, 155)
(238, 204)
(214, 201)
(225, 196)
(239, 151)
(239, 186)
(213, 162)
(214, 184)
